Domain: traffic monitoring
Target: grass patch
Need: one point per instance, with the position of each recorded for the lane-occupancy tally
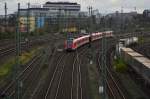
(7, 67)
(120, 65)
(140, 40)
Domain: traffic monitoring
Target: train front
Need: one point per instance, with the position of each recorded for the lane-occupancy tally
(69, 44)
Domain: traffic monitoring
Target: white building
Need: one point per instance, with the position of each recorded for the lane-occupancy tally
(65, 8)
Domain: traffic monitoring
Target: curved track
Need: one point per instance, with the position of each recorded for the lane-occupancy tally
(114, 90)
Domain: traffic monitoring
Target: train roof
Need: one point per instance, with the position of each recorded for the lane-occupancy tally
(98, 33)
(142, 59)
(81, 37)
(93, 34)
(135, 54)
(108, 31)
(127, 49)
(139, 57)
(147, 65)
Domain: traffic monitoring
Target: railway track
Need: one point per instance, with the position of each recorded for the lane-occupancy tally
(57, 78)
(52, 78)
(9, 47)
(6, 51)
(25, 76)
(28, 77)
(31, 83)
(72, 84)
(62, 77)
(114, 90)
(6, 42)
(77, 82)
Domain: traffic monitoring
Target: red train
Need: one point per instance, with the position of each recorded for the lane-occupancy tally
(73, 44)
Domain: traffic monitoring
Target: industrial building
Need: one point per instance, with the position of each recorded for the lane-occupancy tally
(50, 12)
(146, 13)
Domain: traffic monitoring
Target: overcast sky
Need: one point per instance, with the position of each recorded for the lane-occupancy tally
(104, 6)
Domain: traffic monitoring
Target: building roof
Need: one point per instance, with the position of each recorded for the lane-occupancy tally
(34, 9)
(69, 3)
(147, 10)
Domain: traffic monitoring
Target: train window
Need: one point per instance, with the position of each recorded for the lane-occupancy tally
(82, 40)
(79, 41)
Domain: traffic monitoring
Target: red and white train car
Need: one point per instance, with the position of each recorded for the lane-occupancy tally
(73, 44)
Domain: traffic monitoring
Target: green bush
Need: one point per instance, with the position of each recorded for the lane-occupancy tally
(120, 65)
(141, 40)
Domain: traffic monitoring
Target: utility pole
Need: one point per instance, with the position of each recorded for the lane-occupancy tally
(90, 26)
(18, 53)
(90, 33)
(5, 7)
(66, 20)
(28, 25)
(59, 20)
(121, 19)
(136, 25)
(104, 65)
(103, 61)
